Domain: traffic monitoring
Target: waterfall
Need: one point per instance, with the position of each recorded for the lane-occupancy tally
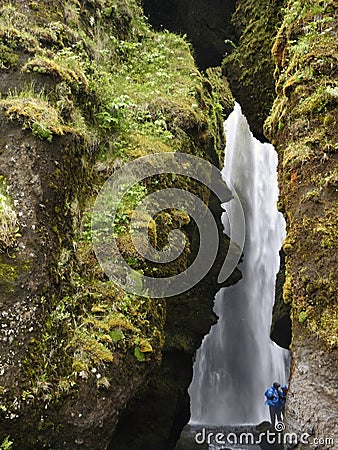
(238, 361)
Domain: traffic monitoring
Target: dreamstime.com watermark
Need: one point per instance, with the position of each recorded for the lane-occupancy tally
(271, 437)
(124, 182)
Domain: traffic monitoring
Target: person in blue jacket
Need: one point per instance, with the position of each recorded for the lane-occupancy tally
(273, 400)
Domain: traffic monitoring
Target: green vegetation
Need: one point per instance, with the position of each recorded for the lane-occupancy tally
(8, 58)
(64, 66)
(302, 316)
(304, 116)
(9, 225)
(6, 444)
(97, 87)
(34, 112)
(249, 68)
(84, 333)
(128, 87)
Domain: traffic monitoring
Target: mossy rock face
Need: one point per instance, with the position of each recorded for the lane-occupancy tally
(85, 88)
(305, 49)
(164, 404)
(302, 125)
(249, 67)
(8, 58)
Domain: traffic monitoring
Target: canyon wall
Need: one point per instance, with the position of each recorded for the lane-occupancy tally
(86, 88)
(284, 70)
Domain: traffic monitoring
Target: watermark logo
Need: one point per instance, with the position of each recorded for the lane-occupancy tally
(106, 213)
(279, 426)
(271, 437)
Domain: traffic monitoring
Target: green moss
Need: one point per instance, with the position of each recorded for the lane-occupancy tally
(102, 75)
(79, 341)
(329, 120)
(302, 316)
(305, 53)
(314, 104)
(249, 67)
(34, 113)
(97, 352)
(221, 88)
(314, 195)
(6, 444)
(179, 342)
(15, 38)
(12, 269)
(119, 76)
(8, 274)
(8, 58)
(72, 75)
(288, 289)
(9, 224)
(139, 355)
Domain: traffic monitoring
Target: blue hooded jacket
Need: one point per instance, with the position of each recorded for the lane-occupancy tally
(272, 397)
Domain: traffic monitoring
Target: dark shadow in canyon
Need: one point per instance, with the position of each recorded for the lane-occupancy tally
(207, 25)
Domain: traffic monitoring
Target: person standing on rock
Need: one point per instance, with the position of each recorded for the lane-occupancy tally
(273, 400)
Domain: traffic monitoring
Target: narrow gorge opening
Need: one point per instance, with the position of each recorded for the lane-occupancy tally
(237, 360)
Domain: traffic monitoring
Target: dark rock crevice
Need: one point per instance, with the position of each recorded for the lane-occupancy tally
(281, 327)
(207, 25)
(250, 67)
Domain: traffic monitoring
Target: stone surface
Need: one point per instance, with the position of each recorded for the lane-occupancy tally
(312, 398)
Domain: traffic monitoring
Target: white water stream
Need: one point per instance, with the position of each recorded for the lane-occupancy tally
(238, 361)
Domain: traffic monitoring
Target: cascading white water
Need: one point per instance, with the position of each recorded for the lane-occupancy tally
(238, 361)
